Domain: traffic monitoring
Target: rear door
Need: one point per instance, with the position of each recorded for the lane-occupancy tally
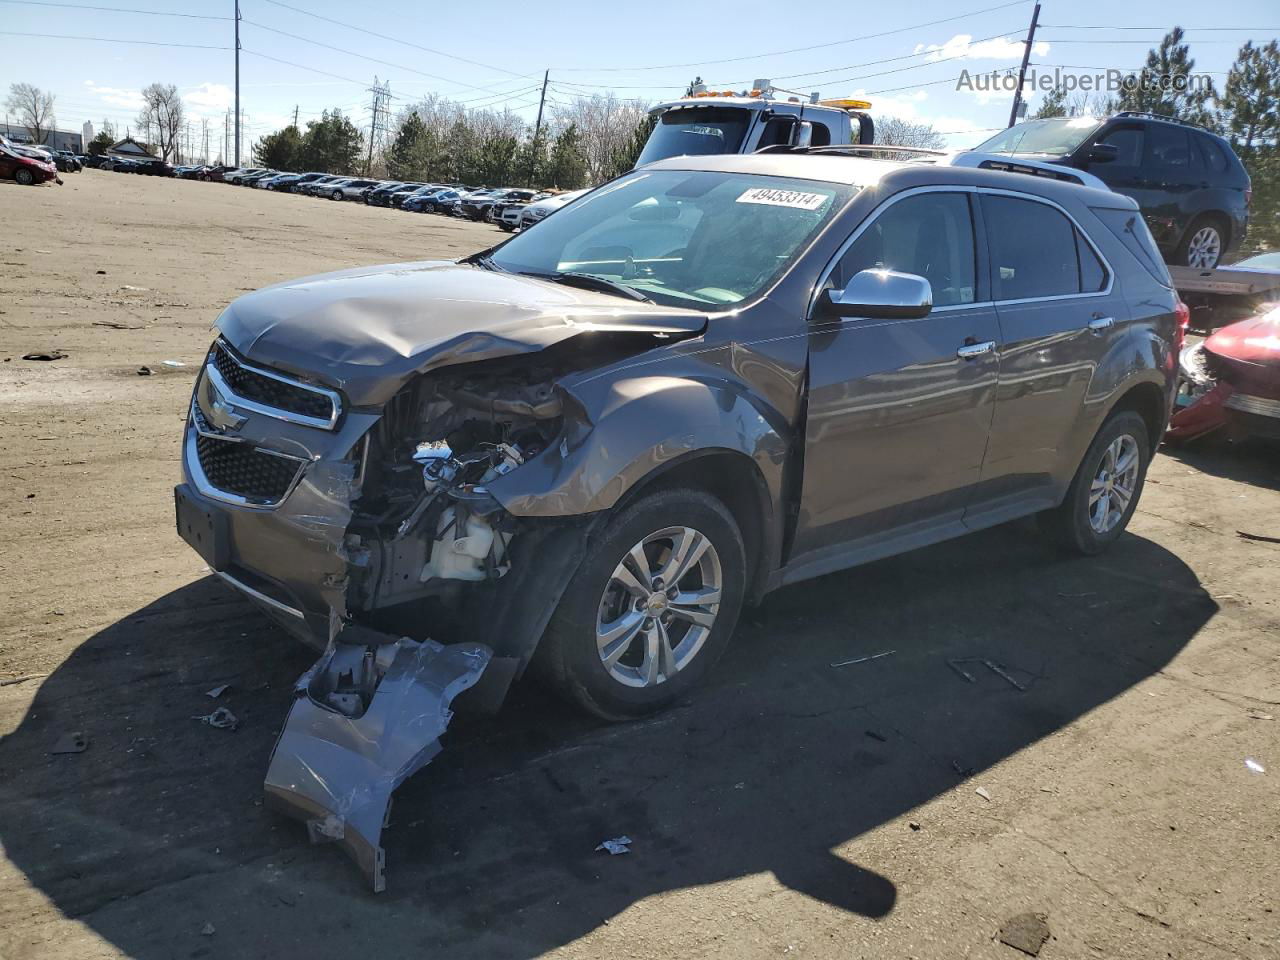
(1174, 182)
(899, 410)
(1059, 312)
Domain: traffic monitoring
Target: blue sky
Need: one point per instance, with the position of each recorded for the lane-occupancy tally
(648, 51)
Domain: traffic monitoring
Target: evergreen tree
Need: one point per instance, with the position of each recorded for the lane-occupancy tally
(100, 144)
(625, 157)
(566, 168)
(332, 144)
(413, 151)
(280, 150)
(1164, 85)
(1250, 103)
(1054, 105)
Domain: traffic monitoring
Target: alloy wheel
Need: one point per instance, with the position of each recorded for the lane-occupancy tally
(1114, 484)
(659, 607)
(1205, 248)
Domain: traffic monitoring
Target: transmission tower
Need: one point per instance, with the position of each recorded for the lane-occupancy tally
(379, 121)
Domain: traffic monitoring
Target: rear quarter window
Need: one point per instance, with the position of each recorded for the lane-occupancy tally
(1131, 230)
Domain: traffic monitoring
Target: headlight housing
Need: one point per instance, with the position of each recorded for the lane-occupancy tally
(1193, 366)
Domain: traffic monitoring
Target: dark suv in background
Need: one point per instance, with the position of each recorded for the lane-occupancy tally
(1191, 187)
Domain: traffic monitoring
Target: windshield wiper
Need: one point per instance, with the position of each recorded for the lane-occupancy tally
(482, 260)
(590, 281)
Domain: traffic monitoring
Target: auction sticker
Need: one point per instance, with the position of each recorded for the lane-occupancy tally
(783, 198)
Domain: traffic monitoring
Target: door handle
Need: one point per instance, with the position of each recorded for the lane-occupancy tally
(971, 350)
(1098, 324)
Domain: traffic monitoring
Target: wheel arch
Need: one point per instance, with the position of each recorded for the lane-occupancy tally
(1147, 399)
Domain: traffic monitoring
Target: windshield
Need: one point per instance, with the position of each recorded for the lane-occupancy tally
(678, 237)
(1267, 261)
(1060, 135)
(696, 131)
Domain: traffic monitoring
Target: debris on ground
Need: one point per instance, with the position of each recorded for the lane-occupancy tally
(222, 719)
(129, 286)
(1254, 766)
(77, 742)
(1026, 932)
(962, 770)
(874, 656)
(117, 325)
(7, 681)
(1259, 715)
(913, 824)
(982, 792)
(45, 355)
(102, 273)
(616, 846)
(144, 371)
(207, 930)
(991, 665)
(173, 363)
(1260, 538)
(217, 691)
(876, 735)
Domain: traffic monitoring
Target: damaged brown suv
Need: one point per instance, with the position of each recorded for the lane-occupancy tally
(714, 376)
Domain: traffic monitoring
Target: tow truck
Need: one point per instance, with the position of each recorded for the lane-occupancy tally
(712, 122)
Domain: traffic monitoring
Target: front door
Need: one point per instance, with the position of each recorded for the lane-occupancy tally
(899, 410)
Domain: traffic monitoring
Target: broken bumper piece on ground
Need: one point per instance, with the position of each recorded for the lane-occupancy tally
(368, 715)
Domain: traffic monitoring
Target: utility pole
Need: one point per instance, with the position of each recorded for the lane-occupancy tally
(295, 116)
(237, 82)
(1022, 71)
(537, 127)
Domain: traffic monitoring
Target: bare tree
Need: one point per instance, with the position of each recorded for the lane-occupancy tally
(903, 133)
(605, 124)
(161, 117)
(34, 108)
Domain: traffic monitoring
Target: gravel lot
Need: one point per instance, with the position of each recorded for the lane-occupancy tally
(791, 808)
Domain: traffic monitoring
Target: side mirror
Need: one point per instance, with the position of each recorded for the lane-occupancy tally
(802, 135)
(879, 295)
(1103, 152)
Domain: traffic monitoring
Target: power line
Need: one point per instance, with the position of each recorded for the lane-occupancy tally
(147, 43)
(85, 6)
(290, 63)
(407, 43)
(1082, 26)
(816, 46)
(352, 53)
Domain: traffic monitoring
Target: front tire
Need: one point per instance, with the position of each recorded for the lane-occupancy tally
(1105, 491)
(24, 177)
(651, 607)
(336, 195)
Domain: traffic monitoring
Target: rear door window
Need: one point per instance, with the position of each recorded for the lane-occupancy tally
(930, 235)
(1211, 154)
(1169, 148)
(1033, 249)
(1130, 229)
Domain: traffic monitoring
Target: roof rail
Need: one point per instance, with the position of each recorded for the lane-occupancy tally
(1159, 116)
(1014, 164)
(871, 148)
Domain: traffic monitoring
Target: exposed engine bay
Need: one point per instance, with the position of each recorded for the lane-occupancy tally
(425, 521)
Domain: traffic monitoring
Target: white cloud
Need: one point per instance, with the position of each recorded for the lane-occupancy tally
(962, 45)
(910, 106)
(116, 96)
(209, 98)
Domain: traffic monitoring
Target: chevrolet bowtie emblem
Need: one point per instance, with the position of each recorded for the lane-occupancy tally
(222, 415)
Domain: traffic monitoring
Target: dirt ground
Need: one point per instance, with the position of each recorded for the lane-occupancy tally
(792, 807)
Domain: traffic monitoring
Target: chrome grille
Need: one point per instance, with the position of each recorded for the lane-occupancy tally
(272, 393)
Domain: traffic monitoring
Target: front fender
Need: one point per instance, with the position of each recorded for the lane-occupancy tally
(629, 428)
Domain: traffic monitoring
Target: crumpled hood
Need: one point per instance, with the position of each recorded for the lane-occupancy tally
(368, 330)
(1255, 340)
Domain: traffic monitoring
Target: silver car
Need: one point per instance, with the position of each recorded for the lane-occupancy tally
(528, 216)
(347, 189)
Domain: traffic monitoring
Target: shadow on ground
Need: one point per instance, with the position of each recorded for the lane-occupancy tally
(158, 827)
(1252, 461)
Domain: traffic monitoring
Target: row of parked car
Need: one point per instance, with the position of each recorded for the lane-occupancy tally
(509, 208)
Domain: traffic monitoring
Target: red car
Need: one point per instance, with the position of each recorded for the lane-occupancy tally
(26, 167)
(1232, 380)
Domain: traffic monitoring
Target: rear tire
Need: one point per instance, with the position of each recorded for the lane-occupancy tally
(1204, 243)
(622, 643)
(1105, 490)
